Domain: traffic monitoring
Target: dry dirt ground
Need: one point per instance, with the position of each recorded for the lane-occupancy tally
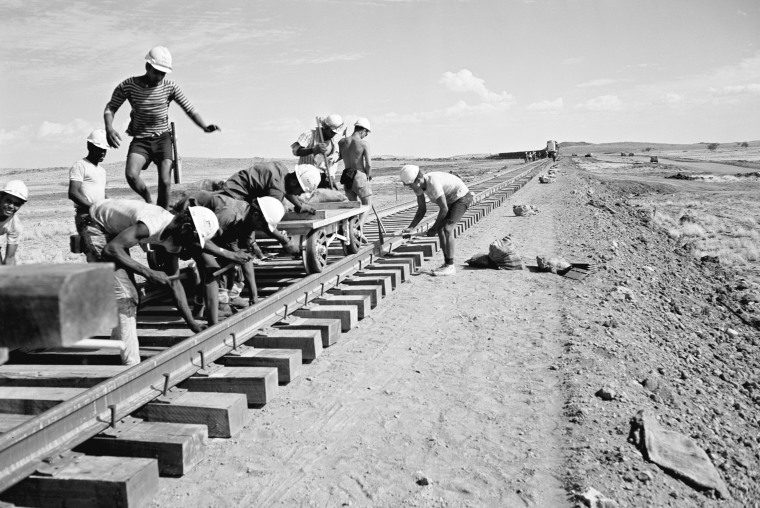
(479, 389)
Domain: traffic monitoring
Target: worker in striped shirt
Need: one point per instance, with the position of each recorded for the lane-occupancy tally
(150, 95)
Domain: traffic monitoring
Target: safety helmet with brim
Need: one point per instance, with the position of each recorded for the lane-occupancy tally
(98, 138)
(205, 223)
(308, 177)
(16, 188)
(272, 211)
(409, 173)
(160, 59)
(333, 122)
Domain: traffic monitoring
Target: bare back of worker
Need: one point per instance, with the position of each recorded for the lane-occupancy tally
(355, 153)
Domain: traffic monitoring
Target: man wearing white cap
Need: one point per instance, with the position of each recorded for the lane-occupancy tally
(150, 95)
(12, 197)
(119, 224)
(453, 199)
(358, 165)
(321, 143)
(87, 180)
(238, 223)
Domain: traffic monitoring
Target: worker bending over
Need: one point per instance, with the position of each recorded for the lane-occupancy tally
(453, 199)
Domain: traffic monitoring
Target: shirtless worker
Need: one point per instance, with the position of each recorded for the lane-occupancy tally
(12, 197)
(308, 146)
(116, 225)
(453, 198)
(87, 181)
(358, 166)
(238, 223)
(150, 95)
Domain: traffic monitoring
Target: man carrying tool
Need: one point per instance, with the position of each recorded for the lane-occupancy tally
(320, 141)
(12, 198)
(358, 166)
(118, 225)
(238, 223)
(150, 95)
(453, 198)
(87, 180)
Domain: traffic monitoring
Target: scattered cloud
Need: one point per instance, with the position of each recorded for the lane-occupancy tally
(741, 13)
(597, 82)
(601, 103)
(546, 105)
(466, 81)
(673, 98)
(49, 132)
(752, 88)
(572, 61)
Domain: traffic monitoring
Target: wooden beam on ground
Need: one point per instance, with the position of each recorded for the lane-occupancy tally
(259, 384)
(177, 446)
(407, 263)
(346, 313)
(224, 414)
(55, 304)
(69, 376)
(328, 328)
(375, 293)
(308, 341)
(33, 400)
(370, 280)
(394, 275)
(417, 258)
(404, 269)
(361, 302)
(286, 361)
(90, 482)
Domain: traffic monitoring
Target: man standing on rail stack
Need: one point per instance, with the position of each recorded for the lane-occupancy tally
(150, 95)
(87, 181)
(452, 197)
(12, 198)
(358, 166)
(320, 141)
(119, 224)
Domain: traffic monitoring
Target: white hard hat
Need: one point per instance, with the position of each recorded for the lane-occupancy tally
(334, 122)
(308, 176)
(362, 122)
(409, 173)
(205, 222)
(160, 59)
(98, 138)
(272, 210)
(16, 188)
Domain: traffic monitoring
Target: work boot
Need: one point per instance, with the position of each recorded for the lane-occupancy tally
(445, 270)
(225, 311)
(239, 303)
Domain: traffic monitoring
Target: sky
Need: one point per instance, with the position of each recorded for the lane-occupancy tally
(435, 78)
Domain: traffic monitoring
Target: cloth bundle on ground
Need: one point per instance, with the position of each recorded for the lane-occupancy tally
(326, 196)
(554, 264)
(523, 210)
(502, 255)
(546, 179)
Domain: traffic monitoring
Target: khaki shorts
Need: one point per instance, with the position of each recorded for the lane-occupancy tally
(95, 240)
(360, 188)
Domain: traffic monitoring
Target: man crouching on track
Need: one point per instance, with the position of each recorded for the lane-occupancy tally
(238, 223)
(117, 225)
(453, 198)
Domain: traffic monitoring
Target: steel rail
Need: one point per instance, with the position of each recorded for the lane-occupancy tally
(72, 422)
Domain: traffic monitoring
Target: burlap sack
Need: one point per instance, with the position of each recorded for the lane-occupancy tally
(524, 210)
(480, 261)
(326, 196)
(554, 264)
(504, 254)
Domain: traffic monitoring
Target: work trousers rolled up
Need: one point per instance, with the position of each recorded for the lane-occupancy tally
(126, 331)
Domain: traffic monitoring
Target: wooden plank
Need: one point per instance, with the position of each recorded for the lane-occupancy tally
(361, 302)
(69, 376)
(55, 304)
(346, 313)
(427, 250)
(328, 328)
(291, 215)
(68, 356)
(91, 482)
(335, 205)
(308, 341)
(11, 421)
(333, 216)
(417, 257)
(224, 414)
(259, 384)
(286, 361)
(3, 355)
(395, 275)
(375, 293)
(178, 447)
(31, 400)
(408, 263)
(371, 280)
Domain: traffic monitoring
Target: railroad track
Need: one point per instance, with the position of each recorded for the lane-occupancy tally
(52, 404)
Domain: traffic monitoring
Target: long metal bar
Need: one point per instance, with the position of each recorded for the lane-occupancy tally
(74, 421)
